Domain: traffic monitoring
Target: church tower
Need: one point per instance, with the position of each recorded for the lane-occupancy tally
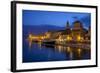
(68, 30)
(67, 26)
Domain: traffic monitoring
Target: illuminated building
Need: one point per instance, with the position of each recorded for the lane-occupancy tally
(75, 34)
(71, 34)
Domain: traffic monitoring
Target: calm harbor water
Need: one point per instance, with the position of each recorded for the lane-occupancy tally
(40, 53)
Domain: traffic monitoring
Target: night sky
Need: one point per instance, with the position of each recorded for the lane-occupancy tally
(33, 17)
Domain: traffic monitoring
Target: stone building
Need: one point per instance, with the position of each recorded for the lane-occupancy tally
(71, 34)
(75, 34)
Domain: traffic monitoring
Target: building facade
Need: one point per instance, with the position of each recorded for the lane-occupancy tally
(71, 34)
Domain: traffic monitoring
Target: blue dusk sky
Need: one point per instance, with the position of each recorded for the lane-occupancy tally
(34, 17)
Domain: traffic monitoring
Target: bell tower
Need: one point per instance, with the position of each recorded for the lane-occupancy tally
(67, 26)
(68, 29)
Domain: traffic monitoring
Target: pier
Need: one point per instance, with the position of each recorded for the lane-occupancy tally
(53, 42)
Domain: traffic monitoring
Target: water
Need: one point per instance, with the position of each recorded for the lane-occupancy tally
(41, 53)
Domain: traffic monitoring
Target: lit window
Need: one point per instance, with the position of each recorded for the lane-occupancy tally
(69, 38)
(78, 38)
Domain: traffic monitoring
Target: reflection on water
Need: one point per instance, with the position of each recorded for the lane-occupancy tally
(39, 53)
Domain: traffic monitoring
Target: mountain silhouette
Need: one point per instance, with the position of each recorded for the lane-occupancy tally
(40, 29)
